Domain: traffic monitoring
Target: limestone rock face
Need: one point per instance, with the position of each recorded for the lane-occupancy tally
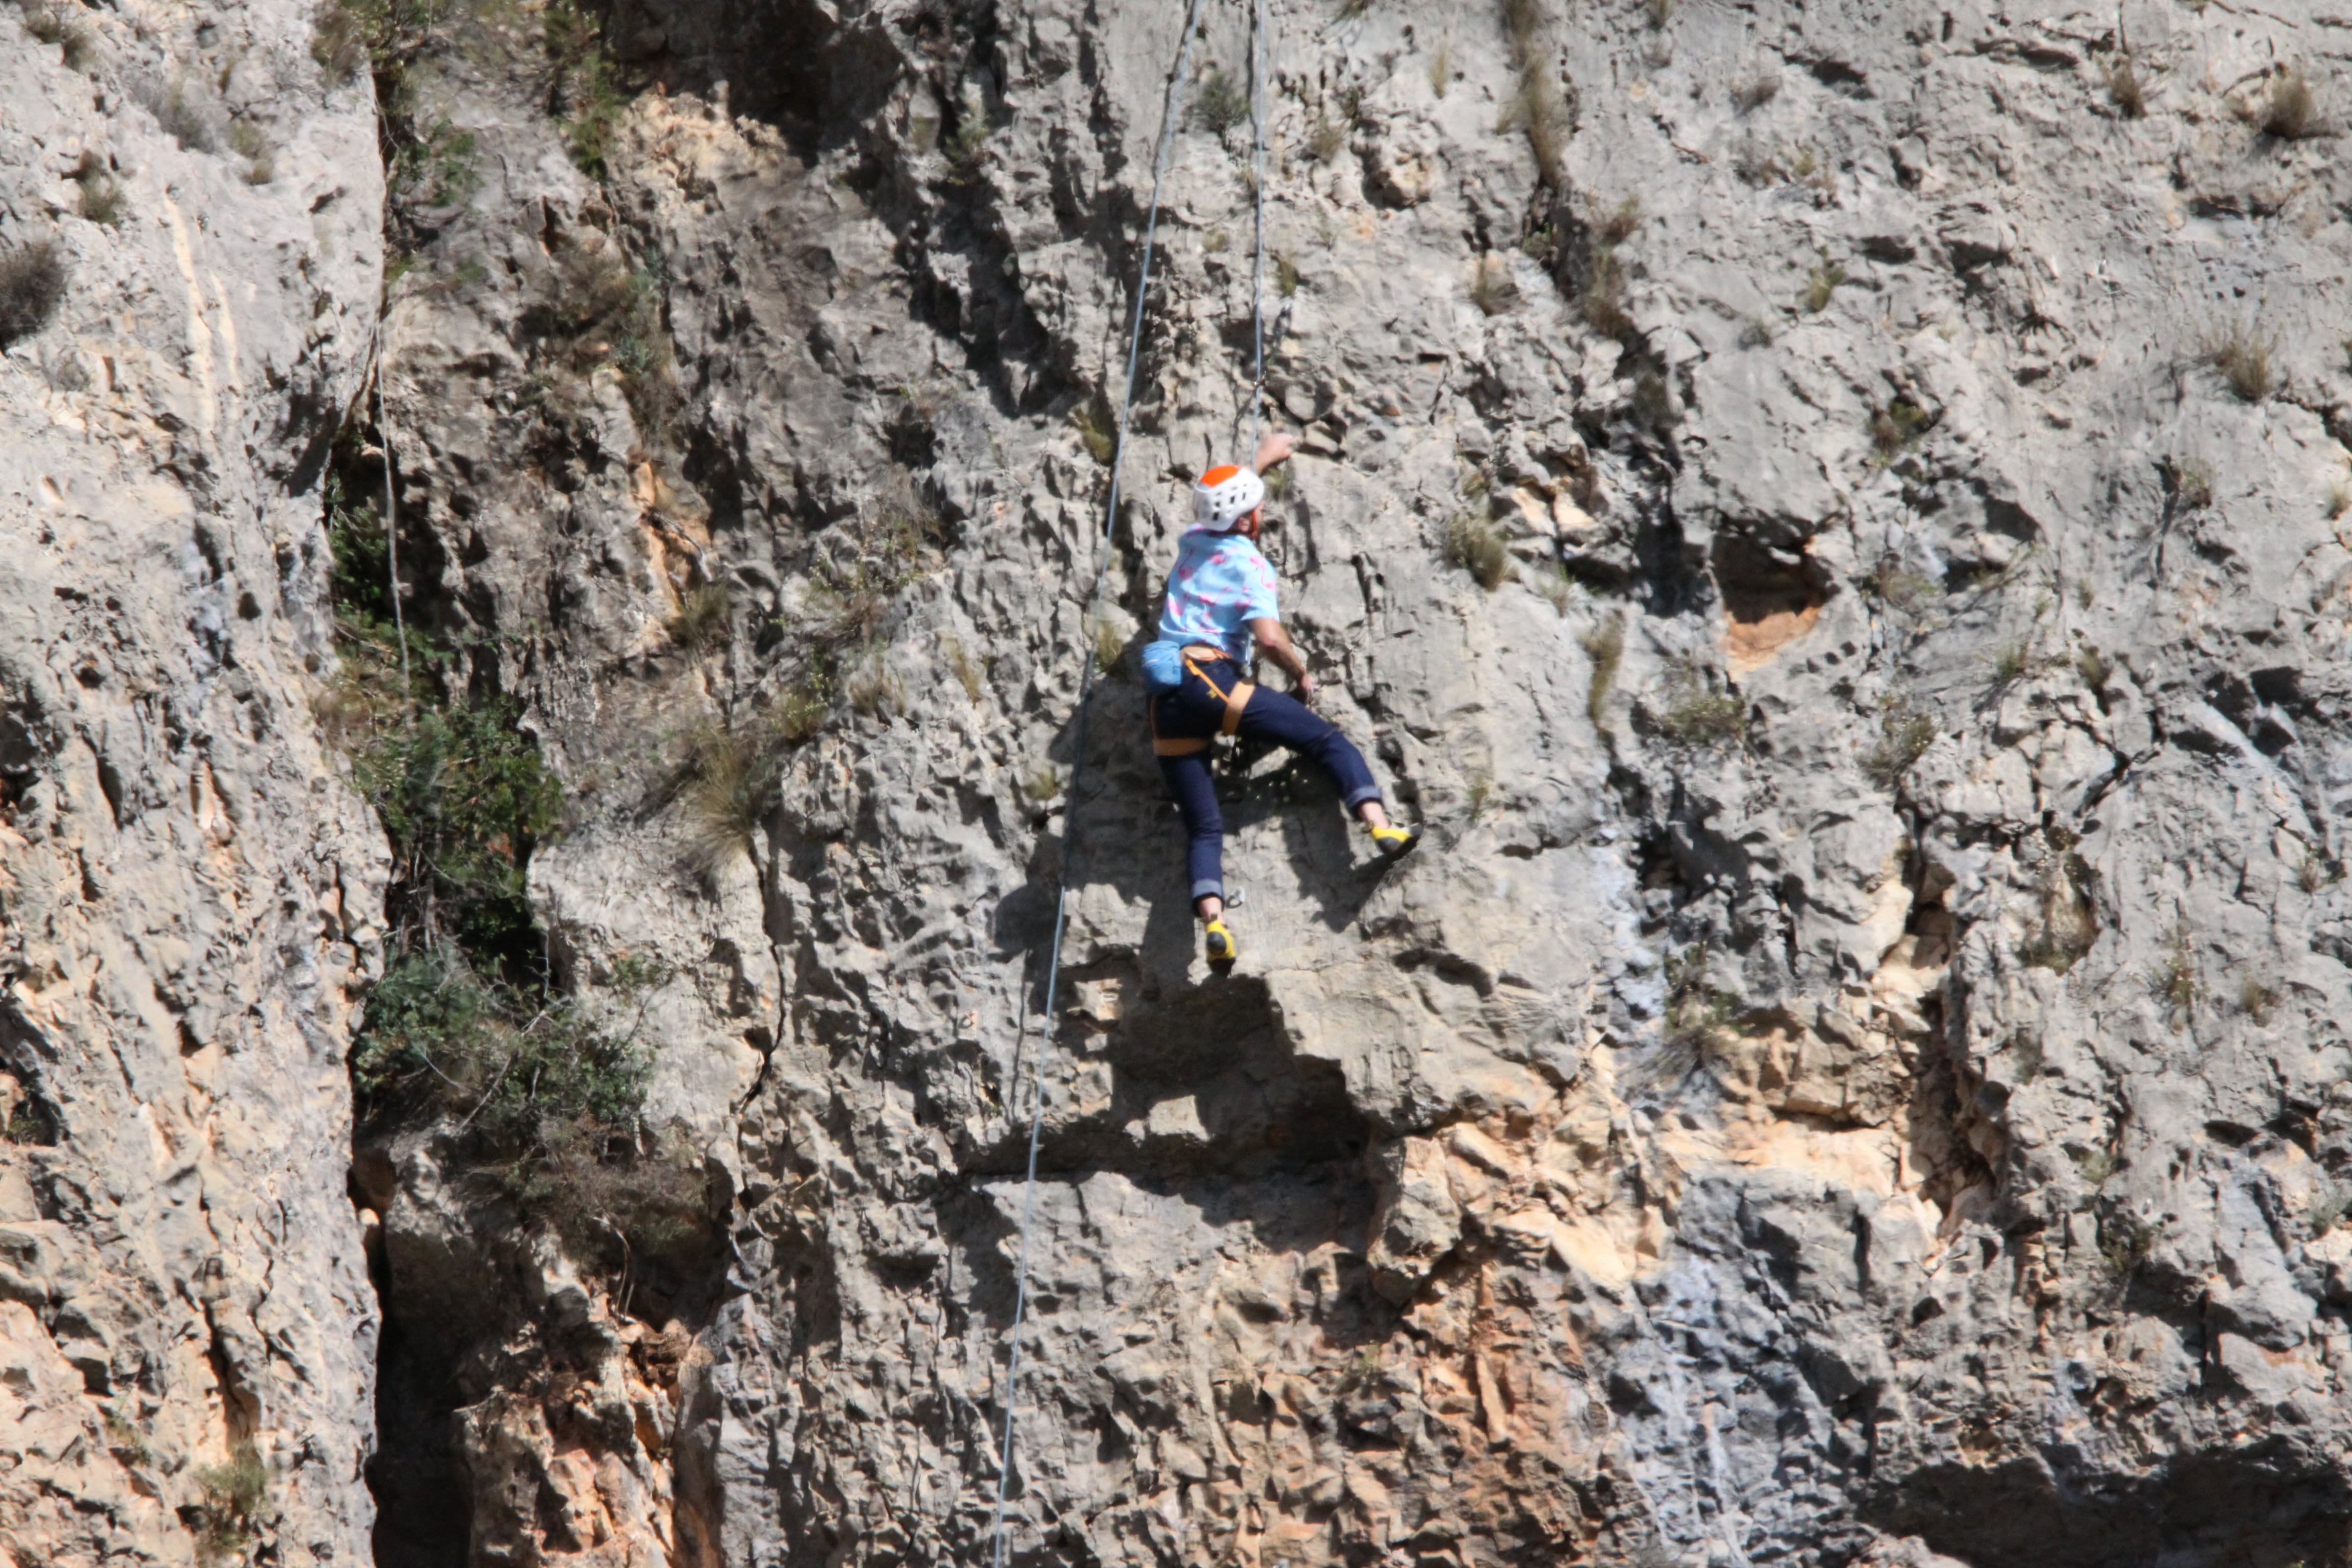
(188, 895)
(1852, 1075)
(1830, 517)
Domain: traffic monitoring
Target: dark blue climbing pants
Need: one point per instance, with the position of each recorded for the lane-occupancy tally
(1212, 701)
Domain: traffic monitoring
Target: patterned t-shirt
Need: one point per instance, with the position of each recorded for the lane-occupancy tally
(1220, 584)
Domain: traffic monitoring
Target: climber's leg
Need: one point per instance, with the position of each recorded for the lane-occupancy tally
(1204, 827)
(1287, 722)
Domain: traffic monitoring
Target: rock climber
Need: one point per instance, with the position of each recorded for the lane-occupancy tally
(1220, 601)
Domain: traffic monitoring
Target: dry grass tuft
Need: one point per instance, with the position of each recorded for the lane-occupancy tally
(1491, 288)
(1472, 543)
(2291, 110)
(1822, 285)
(1605, 303)
(2243, 357)
(1756, 89)
(1620, 223)
(1604, 644)
(733, 777)
(2124, 88)
(704, 620)
(102, 193)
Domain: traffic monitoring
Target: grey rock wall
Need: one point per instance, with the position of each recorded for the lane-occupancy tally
(1853, 1076)
(188, 896)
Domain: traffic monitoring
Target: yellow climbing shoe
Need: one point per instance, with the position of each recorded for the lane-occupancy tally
(1223, 948)
(1394, 841)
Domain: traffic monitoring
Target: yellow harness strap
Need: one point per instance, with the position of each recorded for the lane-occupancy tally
(1237, 699)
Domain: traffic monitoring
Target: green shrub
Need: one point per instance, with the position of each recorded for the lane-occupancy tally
(590, 100)
(1696, 715)
(236, 1503)
(1654, 403)
(33, 280)
(1097, 431)
(1221, 102)
(441, 1040)
(463, 796)
(2177, 980)
(1897, 425)
(2329, 1206)
(439, 168)
(964, 145)
(1904, 734)
(2011, 662)
(1898, 587)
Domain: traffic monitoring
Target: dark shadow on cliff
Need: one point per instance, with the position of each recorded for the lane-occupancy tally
(2257, 1508)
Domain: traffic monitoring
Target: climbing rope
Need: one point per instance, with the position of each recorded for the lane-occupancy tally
(1070, 794)
(1257, 196)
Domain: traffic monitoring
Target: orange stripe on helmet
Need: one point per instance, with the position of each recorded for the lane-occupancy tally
(1219, 475)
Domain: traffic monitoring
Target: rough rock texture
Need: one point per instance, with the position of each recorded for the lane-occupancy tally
(1854, 1076)
(186, 891)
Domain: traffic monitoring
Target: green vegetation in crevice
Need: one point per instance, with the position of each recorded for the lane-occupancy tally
(540, 1094)
(235, 1506)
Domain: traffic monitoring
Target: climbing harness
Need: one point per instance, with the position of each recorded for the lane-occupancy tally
(1235, 698)
(1086, 671)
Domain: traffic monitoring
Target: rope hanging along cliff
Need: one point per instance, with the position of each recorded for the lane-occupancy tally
(1087, 664)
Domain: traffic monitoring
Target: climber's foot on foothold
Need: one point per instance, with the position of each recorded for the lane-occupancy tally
(1395, 842)
(1219, 942)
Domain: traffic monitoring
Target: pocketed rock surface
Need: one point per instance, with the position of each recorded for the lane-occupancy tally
(188, 893)
(1827, 515)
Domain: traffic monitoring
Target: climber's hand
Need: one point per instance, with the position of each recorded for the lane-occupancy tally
(1271, 448)
(1306, 688)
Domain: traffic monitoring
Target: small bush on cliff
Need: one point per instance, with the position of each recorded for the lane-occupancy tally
(1696, 715)
(1221, 103)
(33, 280)
(1472, 543)
(2243, 357)
(235, 1504)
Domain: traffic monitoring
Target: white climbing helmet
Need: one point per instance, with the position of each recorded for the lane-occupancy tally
(1225, 495)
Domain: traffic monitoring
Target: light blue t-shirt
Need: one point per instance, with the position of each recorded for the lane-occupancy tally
(1219, 584)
